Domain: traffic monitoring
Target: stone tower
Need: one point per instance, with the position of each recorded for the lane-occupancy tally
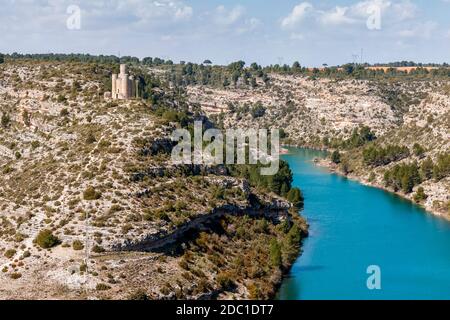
(124, 86)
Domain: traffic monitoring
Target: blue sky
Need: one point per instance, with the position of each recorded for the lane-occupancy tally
(313, 32)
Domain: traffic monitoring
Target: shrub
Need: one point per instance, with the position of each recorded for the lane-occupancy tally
(426, 169)
(258, 110)
(35, 144)
(442, 167)
(418, 150)
(254, 291)
(295, 196)
(420, 195)
(16, 275)
(336, 157)
(294, 236)
(77, 245)
(225, 281)
(98, 249)
(102, 287)
(6, 120)
(183, 264)
(91, 194)
(139, 295)
(64, 112)
(376, 156)
(90, 138)
(10, 253)
(275, 253)
(45, 239)
(61, 98)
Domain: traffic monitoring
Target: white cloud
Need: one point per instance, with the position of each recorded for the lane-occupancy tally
(405, 10)
(234, 20)
(96, 15)
(337, 16)
(226, 17)
(297, 15)
(392, 12)
(421, 30)
(149, 12)
(362, 9)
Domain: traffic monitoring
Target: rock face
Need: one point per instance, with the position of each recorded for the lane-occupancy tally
(307, 110)
(322, 113)
(276, 211)
(174, 170)
(310, 110)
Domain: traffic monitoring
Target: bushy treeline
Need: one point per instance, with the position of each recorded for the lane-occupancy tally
(280, 183)
(80, 57)
(379, 156)
(397, 64)
(206, 73)
(359, 137)
(360, 71)
(405, 177)
(217, 76)
(440, 169)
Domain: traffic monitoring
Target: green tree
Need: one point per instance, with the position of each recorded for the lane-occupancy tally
(442, 167)
(336, 157)
(6, 120)
(360, 137)
(236, 66)
(348, 68)
(403, 177)
(294, 236)
(258, 110)
(295, 196)
(420, 195)
(91, 194)
(296, 67)
(426, 169)
(418, 150)
(255, 67)
(45, 239)
(281, 182)
(235, 77)
(275, 253)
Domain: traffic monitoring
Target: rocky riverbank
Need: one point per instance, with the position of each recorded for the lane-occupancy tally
(436, 191)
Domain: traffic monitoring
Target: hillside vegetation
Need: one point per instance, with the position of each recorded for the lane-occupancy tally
(92, 207)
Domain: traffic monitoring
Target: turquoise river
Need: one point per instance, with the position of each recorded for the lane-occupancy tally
(352, 227)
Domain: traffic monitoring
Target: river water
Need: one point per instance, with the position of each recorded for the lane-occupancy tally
(352, 227)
